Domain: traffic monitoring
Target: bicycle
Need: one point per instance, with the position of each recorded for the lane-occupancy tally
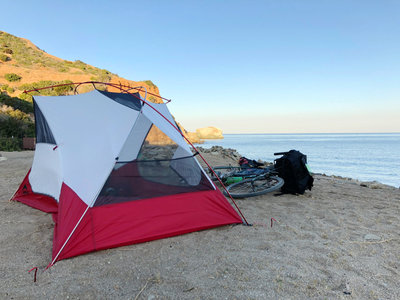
(247, 182)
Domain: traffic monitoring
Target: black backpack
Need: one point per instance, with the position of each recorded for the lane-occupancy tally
(292, 168)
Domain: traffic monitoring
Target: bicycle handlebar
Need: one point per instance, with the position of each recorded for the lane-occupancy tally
(281, 153)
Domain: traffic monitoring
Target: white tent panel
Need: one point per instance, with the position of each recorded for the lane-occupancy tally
(91, 130)
(45, 176)
(135, 139)
(164, 125)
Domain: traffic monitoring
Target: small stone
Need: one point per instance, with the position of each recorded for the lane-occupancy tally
(347, 290)
(371, 237)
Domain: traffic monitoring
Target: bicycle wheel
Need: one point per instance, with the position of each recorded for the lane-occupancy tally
(255, 186)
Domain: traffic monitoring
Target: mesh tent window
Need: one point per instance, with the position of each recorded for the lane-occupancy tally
(161, 168)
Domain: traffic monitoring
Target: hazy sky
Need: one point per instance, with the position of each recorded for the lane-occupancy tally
(243, 66)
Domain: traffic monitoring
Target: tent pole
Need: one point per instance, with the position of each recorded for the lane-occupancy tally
(77, 84)
(72, 232)
(223, 185)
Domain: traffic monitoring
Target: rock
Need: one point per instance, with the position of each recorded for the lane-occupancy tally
(157, 137)
(209, 133)
(193, 137)
(344, 287)
(373, 185)
(347, 290)
(371, 237)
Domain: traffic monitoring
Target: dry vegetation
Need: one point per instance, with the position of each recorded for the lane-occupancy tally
(21, 57)
(24, 66)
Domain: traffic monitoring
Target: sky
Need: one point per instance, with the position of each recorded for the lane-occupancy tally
(286, 66)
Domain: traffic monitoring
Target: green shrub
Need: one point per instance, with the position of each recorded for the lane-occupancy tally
(4, 57)
(16, 103)
(10, 144)
(19, 115)
(80, 65)
(104, 78)
(26, 97)
(153, 99)
(30, 130)
(10, 89)
(10, 127)
(12, 77)
(57, 91)
(150, 83)
(63, 69)
(64, 90)
(14, 125)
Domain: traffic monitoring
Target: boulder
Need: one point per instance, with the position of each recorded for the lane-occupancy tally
(193, 137)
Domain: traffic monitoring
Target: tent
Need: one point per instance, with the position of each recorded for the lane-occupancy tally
(100, 168)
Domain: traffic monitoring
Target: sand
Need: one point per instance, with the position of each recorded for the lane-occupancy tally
(339, 241)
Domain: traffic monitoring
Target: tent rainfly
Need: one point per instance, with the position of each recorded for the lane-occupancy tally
(108, 182)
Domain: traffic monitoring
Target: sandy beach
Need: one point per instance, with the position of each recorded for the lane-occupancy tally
(339, 241)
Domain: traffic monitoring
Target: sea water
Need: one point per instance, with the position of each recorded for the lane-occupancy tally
(366, 157)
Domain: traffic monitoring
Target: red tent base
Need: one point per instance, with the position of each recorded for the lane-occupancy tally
(136, 221)
(25, 195)
(81, 229)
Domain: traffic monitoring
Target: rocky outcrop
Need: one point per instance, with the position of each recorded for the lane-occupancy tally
(231, 156)
(157, 137)
(222, 152)
(209, 133)
(191, 136)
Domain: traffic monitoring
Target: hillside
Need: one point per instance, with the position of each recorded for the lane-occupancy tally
(31, 64)
(24, 66)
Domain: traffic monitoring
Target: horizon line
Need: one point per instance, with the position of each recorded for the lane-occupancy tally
(276, 133)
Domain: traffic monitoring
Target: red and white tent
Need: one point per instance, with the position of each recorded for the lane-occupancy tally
(107, 182)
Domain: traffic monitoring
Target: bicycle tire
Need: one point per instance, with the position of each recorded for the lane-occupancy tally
(255, 186)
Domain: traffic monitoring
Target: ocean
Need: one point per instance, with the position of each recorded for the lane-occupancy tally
(366, 157)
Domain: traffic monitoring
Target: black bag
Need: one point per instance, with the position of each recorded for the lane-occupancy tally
(292, 168)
